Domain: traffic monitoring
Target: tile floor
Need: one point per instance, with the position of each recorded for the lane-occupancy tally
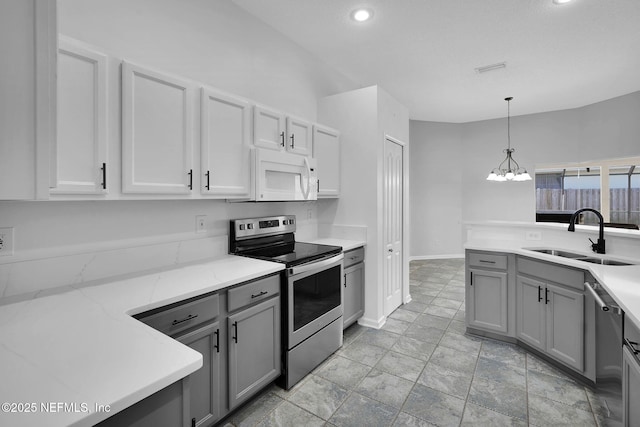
(420, 369)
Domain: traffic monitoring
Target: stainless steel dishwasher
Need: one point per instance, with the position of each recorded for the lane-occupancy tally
(609, 340)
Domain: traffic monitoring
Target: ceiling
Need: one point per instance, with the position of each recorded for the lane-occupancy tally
(424, 52)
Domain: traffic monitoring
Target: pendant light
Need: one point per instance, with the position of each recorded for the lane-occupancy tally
(509, 169)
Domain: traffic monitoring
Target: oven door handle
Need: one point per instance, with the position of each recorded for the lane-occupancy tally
(316, 265)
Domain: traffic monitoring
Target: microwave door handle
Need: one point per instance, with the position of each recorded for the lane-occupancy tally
(306, 193)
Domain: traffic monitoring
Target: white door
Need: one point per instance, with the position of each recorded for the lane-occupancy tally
(393, 214)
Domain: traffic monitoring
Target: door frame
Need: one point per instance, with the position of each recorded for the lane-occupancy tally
(405, 296)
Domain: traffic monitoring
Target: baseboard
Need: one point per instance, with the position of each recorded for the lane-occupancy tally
(426, 257)
(370, 323)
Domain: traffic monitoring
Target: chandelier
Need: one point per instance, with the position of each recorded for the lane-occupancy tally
(509, 169)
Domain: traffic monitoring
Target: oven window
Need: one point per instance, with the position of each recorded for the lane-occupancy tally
(315, 295)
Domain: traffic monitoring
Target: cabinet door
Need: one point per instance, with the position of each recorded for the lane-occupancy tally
(326, 150)
(565, 325)
(353, 295)
(487, 306)
(225, 145)
(254, 349)
(156, 132)
(205, 382)
(630, 388)
(299, 136)
(530, 326)
(165, 408)
(82, 120)
(28, 39)
(268, 128)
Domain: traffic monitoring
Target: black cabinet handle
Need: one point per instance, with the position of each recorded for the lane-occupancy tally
(282, 138)
(318, 182)
(539, 293)
(345, 280)
(207, 175)
(186, 319)
(471, 278)
(104, 176)
(293, 140)
(546, 295)
(259, 294)
(217, 346)
(193, 422)
(190, 173)
(484, 261)
(235, 332)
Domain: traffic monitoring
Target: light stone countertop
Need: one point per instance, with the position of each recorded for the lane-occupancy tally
(82, 347)
(622, 283)
(347, 245)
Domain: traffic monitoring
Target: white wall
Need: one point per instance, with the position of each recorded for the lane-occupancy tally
(608, 129)
(436, 197)
(214, 42)
(364, 117)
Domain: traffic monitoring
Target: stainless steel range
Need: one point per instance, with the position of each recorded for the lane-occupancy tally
(311, 289)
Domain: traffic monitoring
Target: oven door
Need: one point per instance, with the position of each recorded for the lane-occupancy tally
(314, 297)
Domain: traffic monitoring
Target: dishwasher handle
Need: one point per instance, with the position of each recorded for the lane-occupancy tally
(599, 301)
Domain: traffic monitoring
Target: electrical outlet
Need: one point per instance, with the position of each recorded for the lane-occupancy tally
(6, 241)
(201, 223)
(533, 235)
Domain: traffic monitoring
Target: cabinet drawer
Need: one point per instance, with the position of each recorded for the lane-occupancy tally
(252, 292)
(488, 260)
(183, 316)
(552, 272)
(353, 256)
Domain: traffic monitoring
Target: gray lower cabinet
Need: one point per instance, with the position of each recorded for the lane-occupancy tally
(353, 295)
(487, 306)
(550, 311)
(168, 407)
(487, 303)
(205, 383)
(254, 349)
(630, 388)
(631, 375)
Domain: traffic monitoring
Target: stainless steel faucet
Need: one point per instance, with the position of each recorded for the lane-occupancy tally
(597, 247)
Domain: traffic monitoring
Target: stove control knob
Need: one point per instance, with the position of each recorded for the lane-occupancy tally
(241, 226)
(250, 226)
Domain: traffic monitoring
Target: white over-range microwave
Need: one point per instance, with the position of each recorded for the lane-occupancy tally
(282, 176)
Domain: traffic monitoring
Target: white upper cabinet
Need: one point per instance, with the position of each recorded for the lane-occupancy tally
(28, 42)
(157, 129)
(276, 131)
(225, 139)
(269, 128)
(82, 120)
(326, 150)
(299, 136)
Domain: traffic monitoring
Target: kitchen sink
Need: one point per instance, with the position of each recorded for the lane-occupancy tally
(604, 261)
(579, 257)
(558, 252)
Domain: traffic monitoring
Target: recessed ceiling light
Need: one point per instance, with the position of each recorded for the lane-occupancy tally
(361, 15)
(561, 1)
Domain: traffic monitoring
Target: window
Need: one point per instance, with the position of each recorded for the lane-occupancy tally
(624, 197)
(610, 186)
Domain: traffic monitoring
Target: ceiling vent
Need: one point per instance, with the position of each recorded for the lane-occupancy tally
(491, 67)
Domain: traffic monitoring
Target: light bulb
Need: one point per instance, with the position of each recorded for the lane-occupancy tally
(361, 15)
